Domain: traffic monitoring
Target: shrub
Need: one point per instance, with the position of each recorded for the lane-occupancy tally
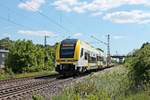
(24, 56)
(139, 64)
(108, 85)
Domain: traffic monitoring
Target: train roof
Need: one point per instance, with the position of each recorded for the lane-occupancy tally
(90, 47)
(69, 41)
(83, 42)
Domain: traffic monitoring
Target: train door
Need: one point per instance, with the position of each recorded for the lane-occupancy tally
(81, 61)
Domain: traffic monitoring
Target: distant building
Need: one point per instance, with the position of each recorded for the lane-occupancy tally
(3, 54)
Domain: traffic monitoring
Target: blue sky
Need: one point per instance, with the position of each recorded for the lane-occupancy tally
(127, 21)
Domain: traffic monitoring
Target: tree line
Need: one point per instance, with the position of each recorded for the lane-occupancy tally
(139, 64)
(25, 56)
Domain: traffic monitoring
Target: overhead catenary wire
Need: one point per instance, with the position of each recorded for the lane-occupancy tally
(48, 18)
(9, 19)
(108, 48)
(16, 13)
(71, 23)
(45, 16)
(9, 9)
(99, 40)
(13, 22)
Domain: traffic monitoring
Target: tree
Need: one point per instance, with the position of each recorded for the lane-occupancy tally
(24, 56)
(5, 43)
(139, 64)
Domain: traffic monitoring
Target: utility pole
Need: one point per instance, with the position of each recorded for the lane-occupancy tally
(45, 46)
(45, 40)
(108, 51)
(108, 59)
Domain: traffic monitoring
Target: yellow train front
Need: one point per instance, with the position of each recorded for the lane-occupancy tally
(74, 56)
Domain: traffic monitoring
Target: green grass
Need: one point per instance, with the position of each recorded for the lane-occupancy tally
(140, 95)
(4, 75)
(42, 73)
(37, 97)
(111, 84)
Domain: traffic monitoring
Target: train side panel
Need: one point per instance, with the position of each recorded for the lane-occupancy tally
(75, 56)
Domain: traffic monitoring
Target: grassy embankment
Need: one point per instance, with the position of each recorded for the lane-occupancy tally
(8, 75)
(110, 84)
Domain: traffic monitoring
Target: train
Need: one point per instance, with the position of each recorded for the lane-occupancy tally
(75, 56)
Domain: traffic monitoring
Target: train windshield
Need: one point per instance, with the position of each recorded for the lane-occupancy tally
(67, 48)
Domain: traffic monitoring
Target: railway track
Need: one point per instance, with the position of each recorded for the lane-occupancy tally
(24, 78)
(19, 81)
(22, 87)
(32, 77)
(25, 90)
(12, 87)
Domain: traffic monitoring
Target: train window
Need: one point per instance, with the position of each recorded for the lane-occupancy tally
(99, 58)
(92, 60)
(67, 52)
(67, 48)
(102, 59)
(86, 56)
(89, 58)
(81, 52)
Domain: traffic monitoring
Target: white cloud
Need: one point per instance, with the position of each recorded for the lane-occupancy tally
(78, 9)
(78, 34)
(80, 6)
(97, 14)
(70, 5)
(135, 16)
(118, 37)
(31, 5)
(36, 33)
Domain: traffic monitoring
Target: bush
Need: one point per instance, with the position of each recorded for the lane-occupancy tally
(6, 73)
(24, 56)
(139, 64)
(139, 95)
(104, 86)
